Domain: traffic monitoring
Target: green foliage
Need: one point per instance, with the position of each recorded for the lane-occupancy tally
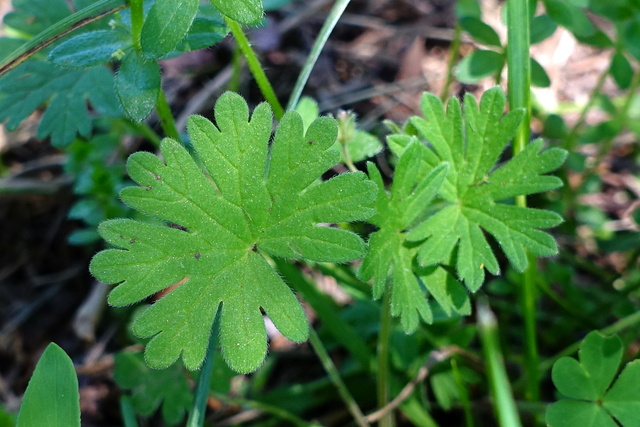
(472, 145)
(25, 89)
(594, 396)
(259, 200)
(414, 187)
(138, 85)
(152, 388)
(52, 397)
(359, 145)
(166, 24)
(248, 12)
(484, 63)
(97, 183)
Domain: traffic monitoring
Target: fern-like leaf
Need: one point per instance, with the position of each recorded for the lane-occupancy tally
(245, 198)
(471, 143)
(414, 187)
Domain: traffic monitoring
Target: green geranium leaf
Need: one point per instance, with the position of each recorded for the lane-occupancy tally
(591, 399)
(251, 198)
(52, 397)
(66, 92)
(151, 388)
(472, 143)
(414, 187)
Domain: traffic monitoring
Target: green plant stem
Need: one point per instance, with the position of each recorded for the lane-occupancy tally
(326, 308)
(334, 375)
(167, 122)
(137, 20)
(145, 131)
(264, 407)
(519, 83)
(255, 67)
(197, 413)
(65, 26)
(454, 49)
(128, 413)
(329, 24)
(464, 395)
(384, 343)
(347, 159)
(504, 404)
(620, 325)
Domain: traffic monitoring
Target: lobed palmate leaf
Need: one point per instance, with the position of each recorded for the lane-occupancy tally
(244, 198)
(471, 144)
(390, 254)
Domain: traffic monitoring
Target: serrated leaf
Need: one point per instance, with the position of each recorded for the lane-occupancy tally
(52, 397)
(478, 65)
(569, 16)
(480, 31)
(138, 85)
(471, 143)
(90, 49)
(151, 388)
(247, 12)
(621, 70)
(591, 399)
(251, 198)
(390, 255)
(166, 25)
(25, 89)
(539, 76)
(542, 27)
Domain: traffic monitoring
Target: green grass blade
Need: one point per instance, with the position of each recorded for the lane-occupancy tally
(318, 45)
(255, 67)
(519, 83)
(503, 402)
(79, 19)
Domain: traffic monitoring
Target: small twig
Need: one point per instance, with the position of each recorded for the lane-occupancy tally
(435, 357)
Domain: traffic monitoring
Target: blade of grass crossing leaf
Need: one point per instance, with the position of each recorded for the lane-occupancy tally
(86, 16)
(329, 24)
(519, 83)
